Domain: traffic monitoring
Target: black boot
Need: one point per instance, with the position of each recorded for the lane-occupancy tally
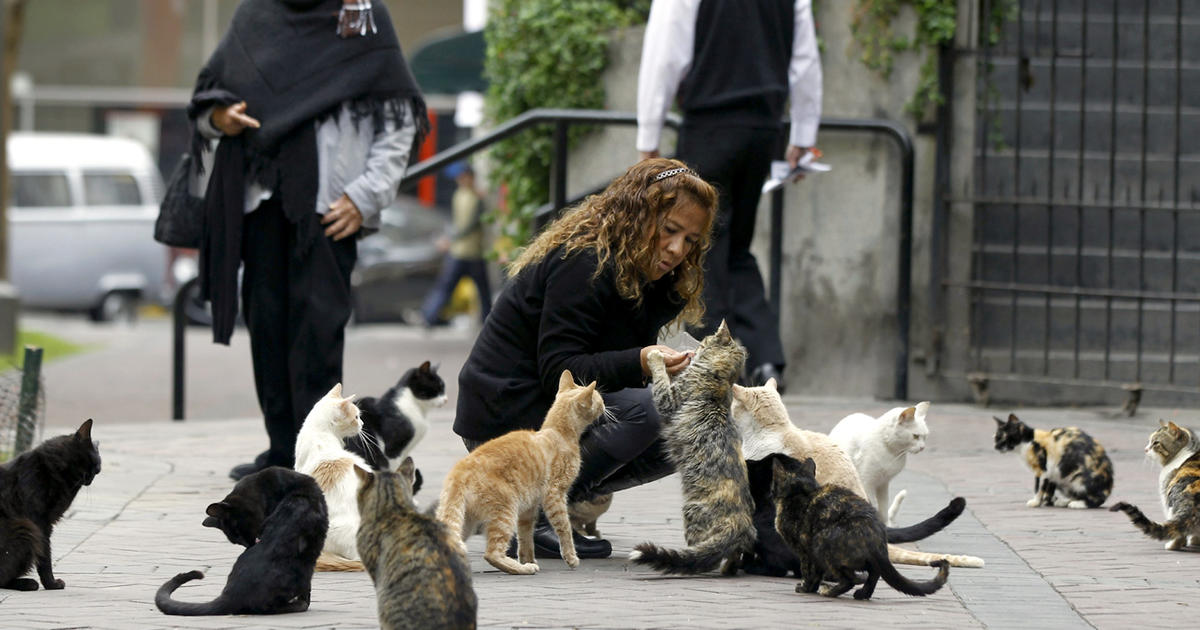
(242, 470)
(545, 543)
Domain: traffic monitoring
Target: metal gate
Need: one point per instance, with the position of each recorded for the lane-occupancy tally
(1086, 247)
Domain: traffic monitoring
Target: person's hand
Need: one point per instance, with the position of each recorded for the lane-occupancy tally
(674, 361)
(793, 155)
(232, 119)
(646, 155)
(343, 218)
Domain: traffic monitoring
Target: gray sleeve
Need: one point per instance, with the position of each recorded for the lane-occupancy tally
(387, 161)
(205, 126)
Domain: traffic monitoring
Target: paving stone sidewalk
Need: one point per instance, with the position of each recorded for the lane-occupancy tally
(139, 524)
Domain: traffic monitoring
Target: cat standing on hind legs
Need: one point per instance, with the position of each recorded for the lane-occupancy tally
(1065, 461)
(1177, 450)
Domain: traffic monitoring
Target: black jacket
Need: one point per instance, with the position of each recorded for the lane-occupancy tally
(552, 317)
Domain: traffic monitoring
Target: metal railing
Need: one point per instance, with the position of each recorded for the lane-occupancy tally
(562, 119)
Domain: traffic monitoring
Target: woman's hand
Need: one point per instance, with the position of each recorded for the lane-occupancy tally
(232, 119)
(675, 361)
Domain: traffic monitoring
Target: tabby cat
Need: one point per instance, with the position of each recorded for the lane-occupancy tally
(836, 533)
(763, 422)
(36, 489)
(321, 454)
(504, 481)
(1071, 462)
(1178, 451)
(879, 448)
(395, 422)
(274, 574)
(704, 446)
(422, 578)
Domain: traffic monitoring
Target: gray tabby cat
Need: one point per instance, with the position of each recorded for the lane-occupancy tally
(704, 445)
(422, 579)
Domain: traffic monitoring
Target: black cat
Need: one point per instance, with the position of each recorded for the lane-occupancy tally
(773, 557)
(836, 534)
(279, 515)
(396, 421)
(36, 489)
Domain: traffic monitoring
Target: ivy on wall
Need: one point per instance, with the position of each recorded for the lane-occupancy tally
(936, 23)
(543, 53)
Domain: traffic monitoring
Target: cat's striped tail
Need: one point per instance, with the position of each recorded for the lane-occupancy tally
(333, 562)
(699, 559)
(1169, 530)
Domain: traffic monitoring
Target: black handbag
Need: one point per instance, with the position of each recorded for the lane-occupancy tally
(180, 220)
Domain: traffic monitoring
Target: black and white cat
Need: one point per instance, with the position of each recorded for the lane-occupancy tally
(396, 421)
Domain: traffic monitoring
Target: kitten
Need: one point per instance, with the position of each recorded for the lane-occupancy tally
(36, 488)
(422, 579)
(879, 448)
(320, 453)
(274, 574)
(1072, 463)
(763, 422)
(1178, 451)
(836, 533)
(504, 481)
(704, 446)
(394, 423)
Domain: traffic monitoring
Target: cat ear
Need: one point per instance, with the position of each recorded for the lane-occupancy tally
(591, 387)
(922, 408)
(1174, 428)
(1012, 417)
(364, 476)
(408, 472)
(211, 521)
(336, 392)
(908, 415)
(999, 422)
(566, 381)
(216, 510)
(85, 430)
(771, 384)
(739, 392)
(808, 467)
(723, 331)
(1162, 423)
(424, 367)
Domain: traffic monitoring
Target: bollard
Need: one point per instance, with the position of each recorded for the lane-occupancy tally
(27, 404)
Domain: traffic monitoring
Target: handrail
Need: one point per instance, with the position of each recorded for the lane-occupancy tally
(564, 118)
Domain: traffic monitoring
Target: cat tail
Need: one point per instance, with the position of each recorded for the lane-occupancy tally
(699, 559)
(900, 555)
(333, 562)
(888, 572)
(19, 533)
(169, 606)
(1170, 530)
(927, 527)
(895, 508)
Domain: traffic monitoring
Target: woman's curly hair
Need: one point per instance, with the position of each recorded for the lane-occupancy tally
(622, 224)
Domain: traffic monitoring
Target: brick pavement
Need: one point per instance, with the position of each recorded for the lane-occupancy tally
(139, 524)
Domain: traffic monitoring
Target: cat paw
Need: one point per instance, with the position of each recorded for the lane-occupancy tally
(1174, 545)
(860, 594)
(57, 584)
(1077, 504)
(571, 560)
(529, 568)
(1034, 502)
(654, 358)
(22, 584)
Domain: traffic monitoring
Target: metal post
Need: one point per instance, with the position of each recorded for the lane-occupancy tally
(179, 320)
(558, 170)
(775, 293)
(27, 404)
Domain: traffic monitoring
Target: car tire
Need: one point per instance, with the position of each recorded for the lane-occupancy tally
(116, 306)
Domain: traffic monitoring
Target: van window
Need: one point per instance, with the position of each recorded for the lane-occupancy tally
(110, 189)
(39, 190)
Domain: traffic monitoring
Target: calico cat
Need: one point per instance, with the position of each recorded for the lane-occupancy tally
(394, 423)
(584, 514)
(320, 453)
(1178, 452)
(274, 574)
(836, 533)
(503, 482)
(704, 446)
(763, 422)
(422, 579)
(879, 448)
(1072, 463)
(36, 488)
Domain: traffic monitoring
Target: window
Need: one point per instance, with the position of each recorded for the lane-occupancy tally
(110, 189)
(39, 190)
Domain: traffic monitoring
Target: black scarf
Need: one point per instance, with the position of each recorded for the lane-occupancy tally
(285, 59)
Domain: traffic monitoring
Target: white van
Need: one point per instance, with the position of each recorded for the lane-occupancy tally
(81, 217)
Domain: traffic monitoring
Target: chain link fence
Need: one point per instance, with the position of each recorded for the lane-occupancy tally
(22, 406)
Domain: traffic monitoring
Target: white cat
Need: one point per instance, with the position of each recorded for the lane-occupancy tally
(879, 448)
(320, 454)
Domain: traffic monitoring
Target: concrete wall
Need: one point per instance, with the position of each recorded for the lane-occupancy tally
(841, 228)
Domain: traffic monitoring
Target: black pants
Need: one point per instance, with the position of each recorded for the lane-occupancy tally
(736, 160)
(296, 312)
(629, 441)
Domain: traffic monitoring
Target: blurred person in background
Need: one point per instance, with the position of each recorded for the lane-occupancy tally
(316, 113)
(464, 249)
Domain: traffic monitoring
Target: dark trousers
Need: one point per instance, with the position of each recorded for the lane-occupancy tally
(736, 160)
(296, 312)
(453, 270)
(621, 451)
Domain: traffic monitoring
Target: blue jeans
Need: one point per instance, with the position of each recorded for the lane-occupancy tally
(453, 270)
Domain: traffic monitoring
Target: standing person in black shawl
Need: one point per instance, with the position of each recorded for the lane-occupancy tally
(316, 112)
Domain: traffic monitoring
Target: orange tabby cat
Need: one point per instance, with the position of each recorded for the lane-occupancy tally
(504, 481)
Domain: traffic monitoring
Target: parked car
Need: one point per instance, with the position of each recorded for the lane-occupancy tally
(81, 214)
(396, 266)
